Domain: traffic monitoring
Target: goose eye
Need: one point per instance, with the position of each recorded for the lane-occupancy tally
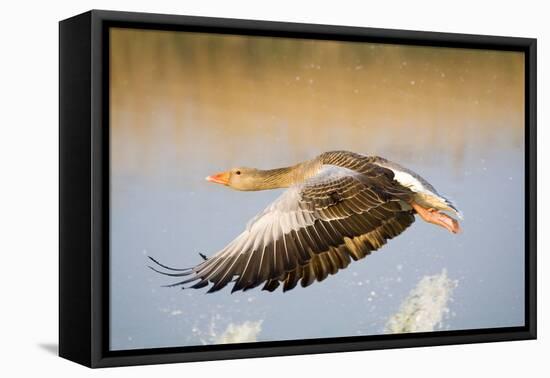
(238, 172)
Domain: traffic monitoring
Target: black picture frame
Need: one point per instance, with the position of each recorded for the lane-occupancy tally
(84, 188)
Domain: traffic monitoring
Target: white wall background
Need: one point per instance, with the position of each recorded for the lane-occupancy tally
(29, 176)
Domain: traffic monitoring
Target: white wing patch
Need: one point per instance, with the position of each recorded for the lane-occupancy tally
(411, 182)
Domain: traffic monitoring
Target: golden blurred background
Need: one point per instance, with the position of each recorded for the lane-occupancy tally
(228, 93)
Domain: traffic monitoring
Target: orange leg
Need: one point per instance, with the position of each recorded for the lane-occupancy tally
(436, 217)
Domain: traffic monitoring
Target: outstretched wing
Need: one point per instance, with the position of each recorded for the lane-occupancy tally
(310, 231)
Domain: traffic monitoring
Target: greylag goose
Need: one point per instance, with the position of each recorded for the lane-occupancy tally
(338, 207)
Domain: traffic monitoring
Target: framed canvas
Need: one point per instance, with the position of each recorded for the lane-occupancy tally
(365, 188)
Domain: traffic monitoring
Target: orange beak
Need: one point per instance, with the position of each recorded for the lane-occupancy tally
(219, 178)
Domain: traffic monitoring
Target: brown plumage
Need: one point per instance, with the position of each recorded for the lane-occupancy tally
(338, 207)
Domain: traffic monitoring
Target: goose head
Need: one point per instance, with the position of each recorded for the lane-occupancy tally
(240, 178)
(246, 179)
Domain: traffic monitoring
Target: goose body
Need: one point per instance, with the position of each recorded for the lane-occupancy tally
(338, 208)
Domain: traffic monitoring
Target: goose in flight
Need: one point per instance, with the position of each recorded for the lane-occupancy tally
(339, 207)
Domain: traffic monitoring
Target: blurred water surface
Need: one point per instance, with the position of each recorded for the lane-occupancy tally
(185, 105)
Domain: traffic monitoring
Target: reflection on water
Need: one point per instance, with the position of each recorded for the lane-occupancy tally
(185, 105)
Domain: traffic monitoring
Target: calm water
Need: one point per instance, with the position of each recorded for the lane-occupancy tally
(187, 105)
